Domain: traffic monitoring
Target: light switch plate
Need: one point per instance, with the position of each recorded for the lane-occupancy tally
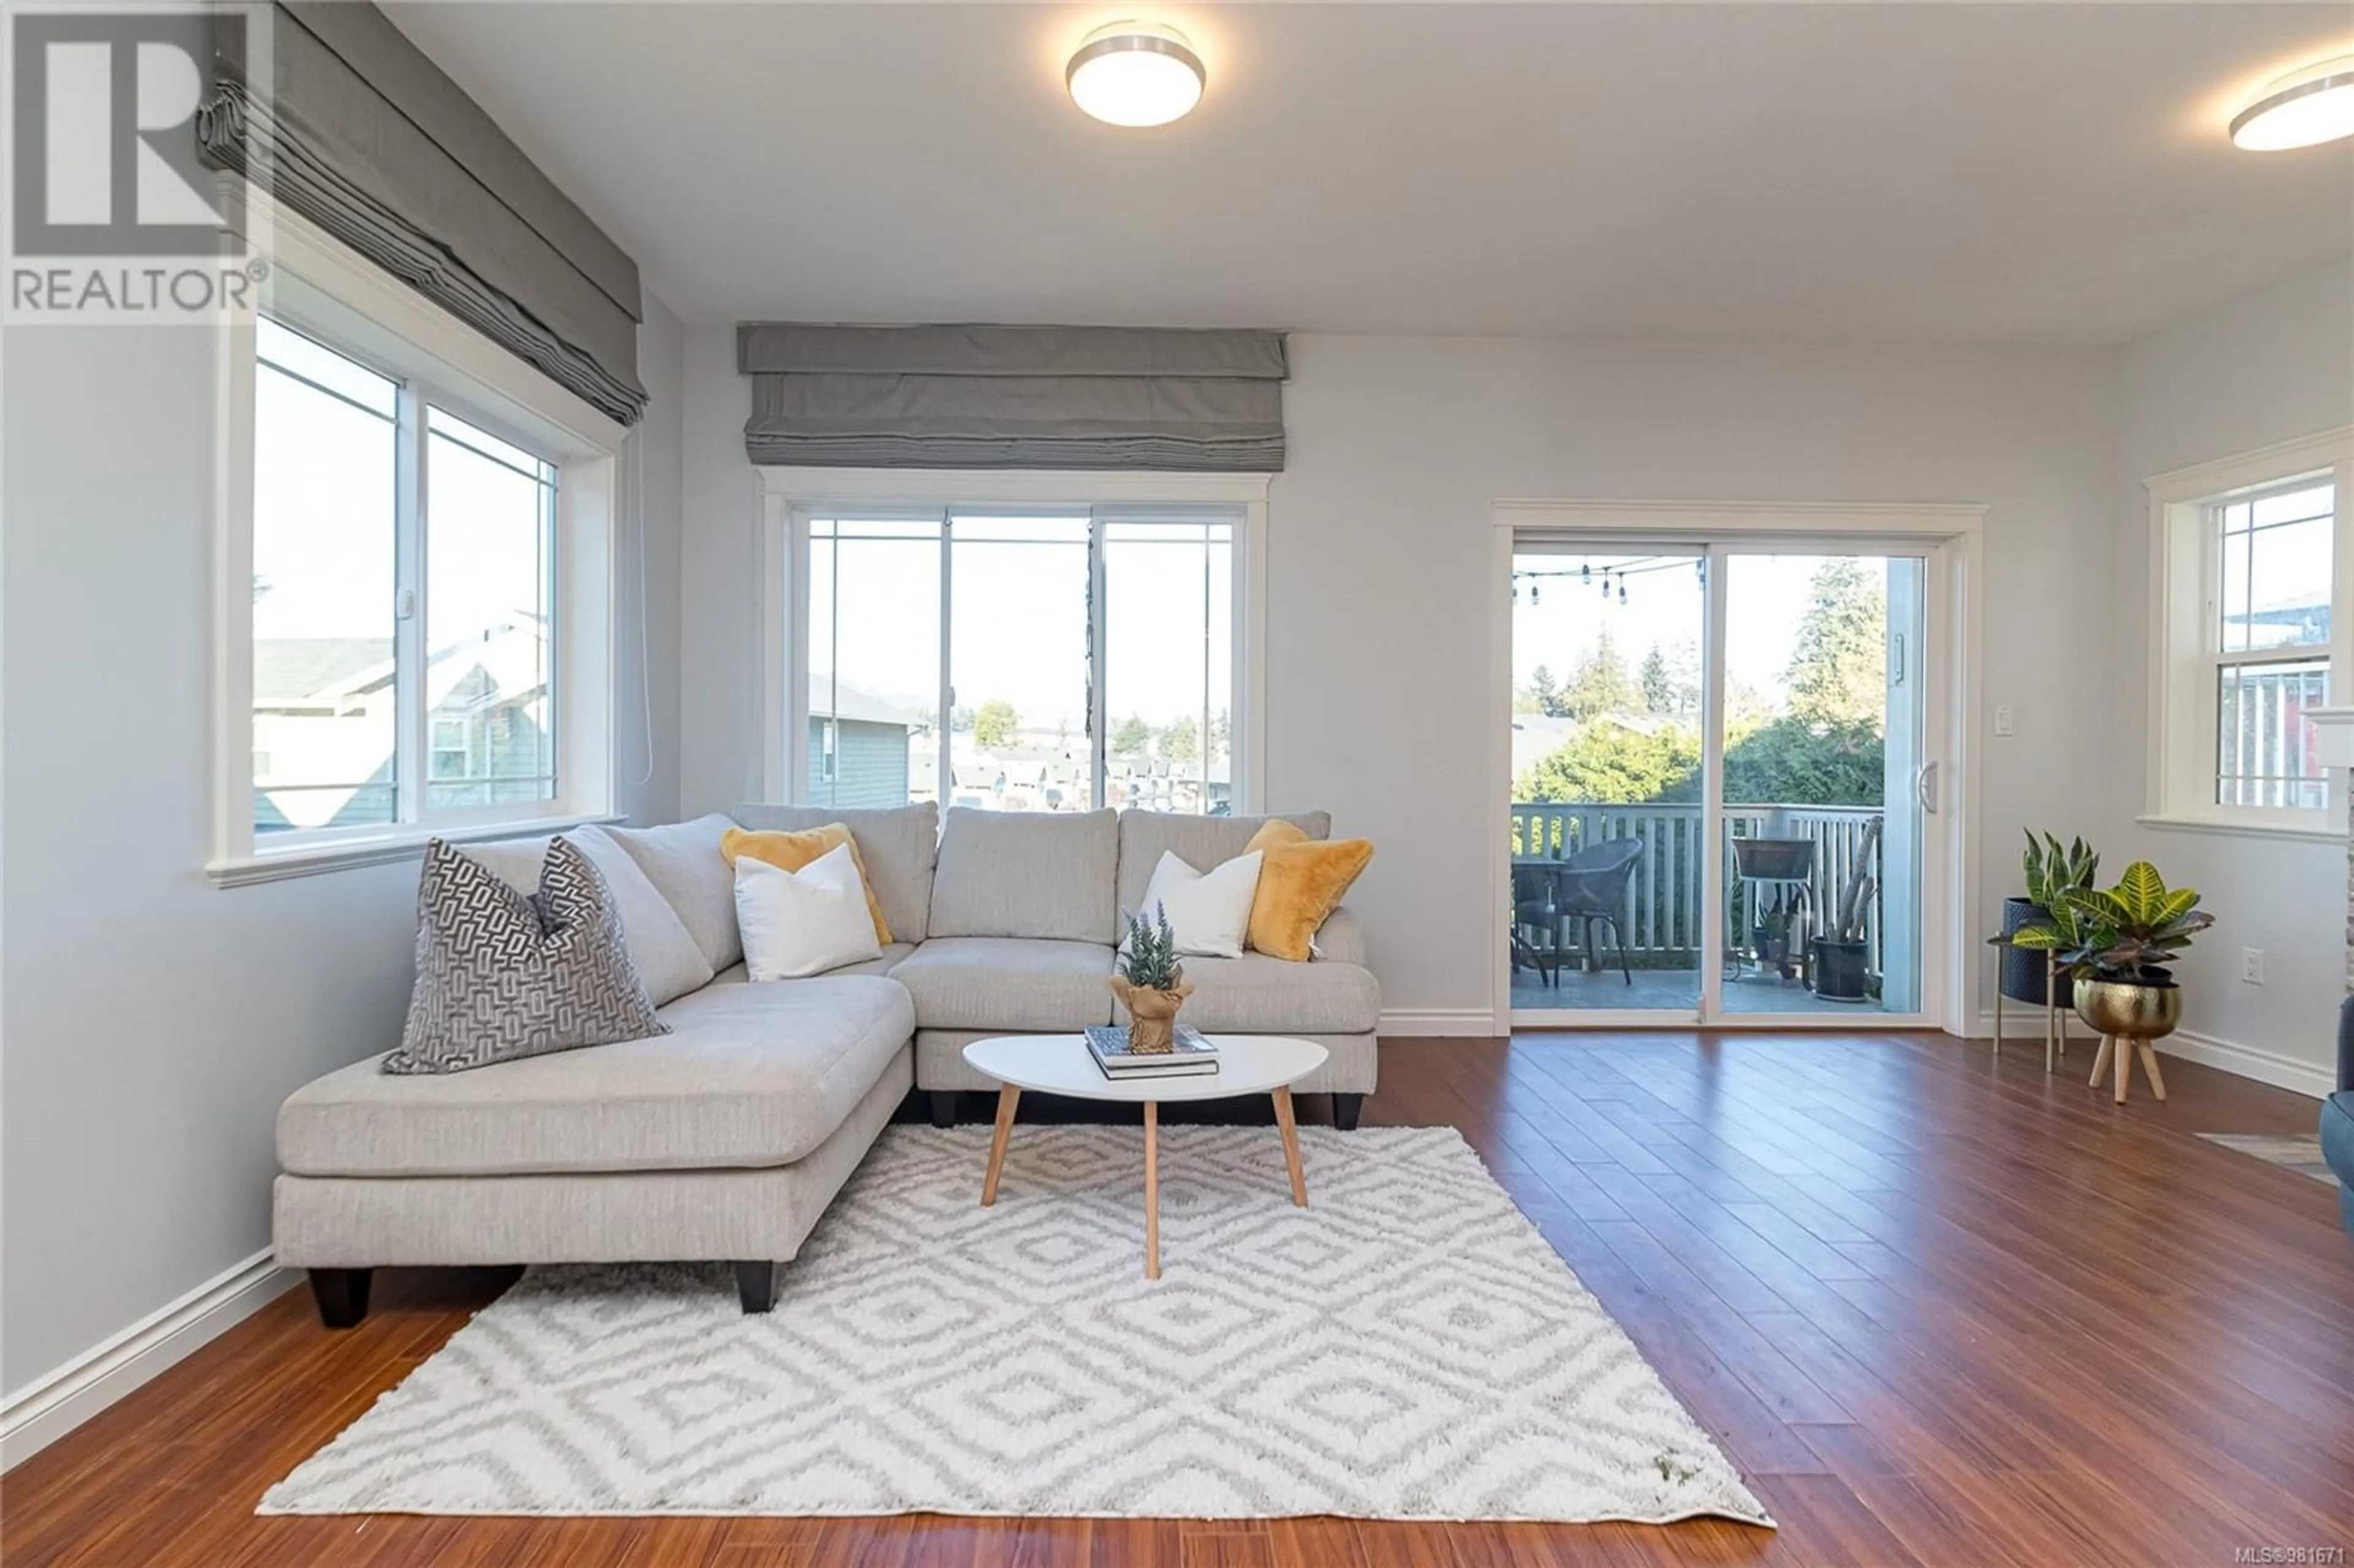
(2004, 719)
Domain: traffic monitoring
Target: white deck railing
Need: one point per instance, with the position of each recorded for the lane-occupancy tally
(1664, 918)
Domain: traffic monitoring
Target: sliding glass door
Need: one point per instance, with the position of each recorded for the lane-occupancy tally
(1608, 859)
(1721, 781)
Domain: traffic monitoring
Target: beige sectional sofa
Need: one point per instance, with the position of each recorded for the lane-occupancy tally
(726, 1138)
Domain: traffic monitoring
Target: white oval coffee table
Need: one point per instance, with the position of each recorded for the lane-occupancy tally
(1060, 1065)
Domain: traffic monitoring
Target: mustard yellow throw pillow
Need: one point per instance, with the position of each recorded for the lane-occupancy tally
(791, 852)
(1300, 881)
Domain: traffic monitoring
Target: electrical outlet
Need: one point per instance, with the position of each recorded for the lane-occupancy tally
(2251, 965)
(2004, 719)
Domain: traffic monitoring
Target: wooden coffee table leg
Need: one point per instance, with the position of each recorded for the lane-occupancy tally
(1283, 1119)
(1151, 1190)
(1007, 1098)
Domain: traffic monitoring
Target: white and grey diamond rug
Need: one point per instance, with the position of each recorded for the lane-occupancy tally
(1409, 1347)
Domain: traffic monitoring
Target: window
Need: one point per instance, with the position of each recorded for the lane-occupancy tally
(325, 469)
(330, 591)
(1020, 657)
(425, 528)
(2248, 639)
(2271, 641)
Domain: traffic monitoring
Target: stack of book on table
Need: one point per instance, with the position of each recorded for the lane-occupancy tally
(1189, 1054)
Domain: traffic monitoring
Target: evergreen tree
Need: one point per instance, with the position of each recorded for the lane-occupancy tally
(1839, 662)
(1601, 685)
(1658, 689)
(1130, 736)
(1181, 741)
(1543, 693)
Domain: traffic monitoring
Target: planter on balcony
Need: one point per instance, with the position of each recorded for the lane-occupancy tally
(1842, 970)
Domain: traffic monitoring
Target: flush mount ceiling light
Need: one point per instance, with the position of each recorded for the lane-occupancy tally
(1135, 73)
(2301, 110)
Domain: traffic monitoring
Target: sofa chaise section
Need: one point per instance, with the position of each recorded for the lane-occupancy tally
(723, 1139)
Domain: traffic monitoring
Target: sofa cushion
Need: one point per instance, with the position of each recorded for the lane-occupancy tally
(503, 975)
(1202, 842)
(1300, 881)
(896, 848)
(661, 949)
(789, 851)
(1046, 874)
(1256, 994)
(1008, 983)
(683, 861)
(749, 1075)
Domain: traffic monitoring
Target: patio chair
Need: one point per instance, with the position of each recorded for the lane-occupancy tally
(1592, 885)
(1536, 912)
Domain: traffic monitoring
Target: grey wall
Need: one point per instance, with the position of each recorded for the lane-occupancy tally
(1378, 559)
(2268, 368)
(149, 1022)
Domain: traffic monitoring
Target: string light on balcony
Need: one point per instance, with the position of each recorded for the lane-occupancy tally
(1610, 579)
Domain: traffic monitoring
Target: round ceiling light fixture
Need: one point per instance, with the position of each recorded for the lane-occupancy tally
(2303, 109)
(1136, 73)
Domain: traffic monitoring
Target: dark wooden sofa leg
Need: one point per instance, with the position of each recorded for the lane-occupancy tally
(1346, 1109)
(756, 1285)
(342, 1295)
(944, 1107)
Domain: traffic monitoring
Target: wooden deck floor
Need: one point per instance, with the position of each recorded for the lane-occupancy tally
(1937, 1312)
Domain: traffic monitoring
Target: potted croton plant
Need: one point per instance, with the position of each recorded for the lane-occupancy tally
(1151, 984)
(2053, 871)
(2118, 945)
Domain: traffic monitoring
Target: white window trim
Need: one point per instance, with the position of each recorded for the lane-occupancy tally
(318, 284)
(2179, 772)
(791, 496)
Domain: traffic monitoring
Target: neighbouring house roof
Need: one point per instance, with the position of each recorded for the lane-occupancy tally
(844, 700)
(290, 670)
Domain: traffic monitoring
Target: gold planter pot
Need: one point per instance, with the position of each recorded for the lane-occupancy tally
(2128, 1016)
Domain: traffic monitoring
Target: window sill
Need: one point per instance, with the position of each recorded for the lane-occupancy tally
(2297, 831)
(408, 844)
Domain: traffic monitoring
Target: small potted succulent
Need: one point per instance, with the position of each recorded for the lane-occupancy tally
(1151, 984)
(2119, 945)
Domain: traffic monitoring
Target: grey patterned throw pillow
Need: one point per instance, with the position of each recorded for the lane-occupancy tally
(502, 976)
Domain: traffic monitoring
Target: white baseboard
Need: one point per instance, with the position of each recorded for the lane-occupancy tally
(51, 1406)
(2265, 1066)
(1455, 1022)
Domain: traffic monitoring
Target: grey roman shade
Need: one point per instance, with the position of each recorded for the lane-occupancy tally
(364, 136)
(1013, 396)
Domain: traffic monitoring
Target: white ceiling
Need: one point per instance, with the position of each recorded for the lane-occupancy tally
(2047, 173)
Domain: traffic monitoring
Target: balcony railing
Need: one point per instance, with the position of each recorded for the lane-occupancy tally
(1664, 916)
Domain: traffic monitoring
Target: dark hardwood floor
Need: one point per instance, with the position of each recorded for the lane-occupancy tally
(1937, 1310)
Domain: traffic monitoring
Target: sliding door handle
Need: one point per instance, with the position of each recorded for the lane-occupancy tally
(1924, 787)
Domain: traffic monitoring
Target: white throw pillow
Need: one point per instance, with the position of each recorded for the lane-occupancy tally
(1209, 914)
(803, 922)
